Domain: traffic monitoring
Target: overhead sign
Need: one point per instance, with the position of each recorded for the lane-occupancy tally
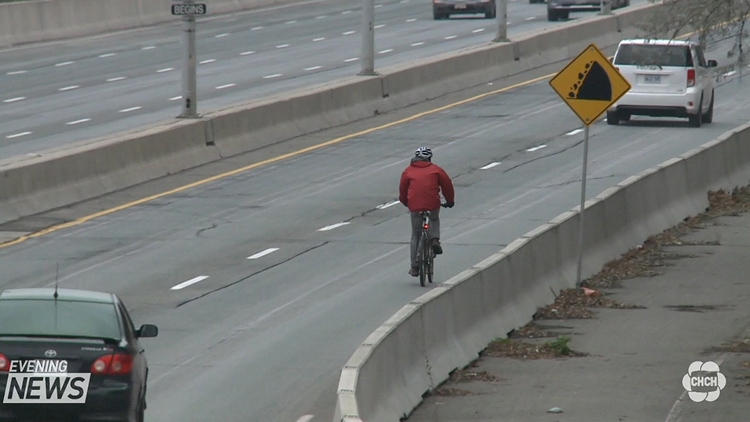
(189, 9)
(590, 84)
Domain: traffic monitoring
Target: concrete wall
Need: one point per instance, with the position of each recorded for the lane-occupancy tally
(96, 167)
(46, 20)
(446, 328)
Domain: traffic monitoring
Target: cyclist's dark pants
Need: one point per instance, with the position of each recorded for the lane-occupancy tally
(416, 231)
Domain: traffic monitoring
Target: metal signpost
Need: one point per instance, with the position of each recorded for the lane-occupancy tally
(589, 85)
(606, 7)
(188, 10)
(368, 38)
(501, 10)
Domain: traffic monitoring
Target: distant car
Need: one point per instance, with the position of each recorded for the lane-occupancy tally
(443, 9)
(668, 79)
(70, 357)
(560, 9)
(536, 1)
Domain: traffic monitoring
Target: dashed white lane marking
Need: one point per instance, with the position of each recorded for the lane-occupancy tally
(450, 37)
(411, 20)
(148, 47)
(380, 26)
(476, 31)
(68, 88)
(275, 75)
(189, 282)
(64, 64)
(530, 18)
(263, 253)
(222, 35)
(573, 132)
(176, 98)
(16, 72)
(257, 28)
(306, 418)
(387, 205)
(18, 135)
(489, 166)
(378, 6)
(166, 69)
(13, 100)
(282, 46)
(346, 12)
(385, 51)
(225, 86)
(321, 17)
(290, 22)
(75, 122)
(333, 226)
(127, 110)
(119, 78)
(207, 61)
(416, 44)
(107, 55)
(318, 39)
(247, 53)
(536, 148)
(353, 59)
(348, 32)
(313, 68)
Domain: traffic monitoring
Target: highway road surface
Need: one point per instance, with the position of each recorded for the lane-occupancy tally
(263, 283)
(62, 92)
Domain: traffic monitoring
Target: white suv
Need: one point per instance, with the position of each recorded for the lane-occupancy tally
(668, 78)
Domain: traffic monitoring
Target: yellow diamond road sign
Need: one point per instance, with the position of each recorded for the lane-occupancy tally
(589, 84)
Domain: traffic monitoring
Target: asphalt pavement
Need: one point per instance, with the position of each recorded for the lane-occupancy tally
(264, 282)
(637, 357)
(52, 94)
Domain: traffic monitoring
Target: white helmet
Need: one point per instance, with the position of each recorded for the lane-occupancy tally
(423, 152)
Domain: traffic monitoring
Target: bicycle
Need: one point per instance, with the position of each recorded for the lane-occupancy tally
(425, 253)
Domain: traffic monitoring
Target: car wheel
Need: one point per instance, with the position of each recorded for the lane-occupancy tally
(552, 15)
(695, 120)
(490, 14)
(709, 116)
(438, 16)
(613, 118)
(625, 117)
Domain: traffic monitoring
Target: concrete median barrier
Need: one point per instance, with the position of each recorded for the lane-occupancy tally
(447, 327)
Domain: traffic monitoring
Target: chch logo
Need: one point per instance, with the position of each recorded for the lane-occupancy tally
(50, 353)
(704, 381)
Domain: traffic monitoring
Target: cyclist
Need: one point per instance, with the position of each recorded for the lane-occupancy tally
(419, 190)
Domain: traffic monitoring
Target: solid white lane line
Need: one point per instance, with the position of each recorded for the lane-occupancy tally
(348, 32)
(450, 37)
(207, 61)
(333, 226)
(150, 47)
(16, 135)
(318, 39)
(352, 59)
(107, 55)
(247, 53)
(536, 148)
(175, 98)
(189, 282)
(282, 46)
(68, 88)
(166, 69)
(75, 122)
(119, 78)
(225, 86)
(127, 110)
(16, 72)
(416, 44)
(490, 165)
(387, 205)
(64, 64)
(263, 253)
(222, 35)
(275, 75)
(386, 51)
(573, 132)
(13, 100)
(476, 31)
(313, 68)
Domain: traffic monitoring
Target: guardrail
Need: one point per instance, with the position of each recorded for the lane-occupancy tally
(445, 329)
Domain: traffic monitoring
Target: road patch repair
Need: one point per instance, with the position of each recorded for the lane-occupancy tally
(624, 346)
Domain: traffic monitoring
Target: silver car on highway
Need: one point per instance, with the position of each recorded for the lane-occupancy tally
(560, 9)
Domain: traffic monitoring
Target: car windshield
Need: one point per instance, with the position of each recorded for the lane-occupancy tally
(654, 55)
(58, 318)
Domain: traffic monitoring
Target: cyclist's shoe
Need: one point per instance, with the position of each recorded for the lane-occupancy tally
(436, 247)
(414, 272)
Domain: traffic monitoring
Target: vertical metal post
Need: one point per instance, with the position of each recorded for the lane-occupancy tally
(606, 6)
(583, 202)
(368, 38)
(189, 80)
(501, 10)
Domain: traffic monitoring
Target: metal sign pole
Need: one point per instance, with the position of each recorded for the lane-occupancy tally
(368, 38)
(583, 202)
(606, 6)
(501, 9)
(189, 79)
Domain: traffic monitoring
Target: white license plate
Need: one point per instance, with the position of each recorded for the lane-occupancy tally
(460, 6)
(652, 79)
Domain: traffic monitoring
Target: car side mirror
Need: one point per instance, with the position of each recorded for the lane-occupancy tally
(147, 330)
(712, 63)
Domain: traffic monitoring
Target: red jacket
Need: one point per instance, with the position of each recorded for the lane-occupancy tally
(420, 186)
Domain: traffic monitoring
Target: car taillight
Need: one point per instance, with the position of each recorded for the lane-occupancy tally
(4, 363)
(691, 77)
(117, 364)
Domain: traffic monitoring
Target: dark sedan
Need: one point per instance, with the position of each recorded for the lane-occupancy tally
(443, 9)
(70, 355)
